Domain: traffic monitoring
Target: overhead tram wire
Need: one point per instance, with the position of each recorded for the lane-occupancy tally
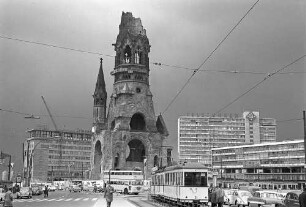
(41, 115)
(255, 86)
(153, 63)
(55, 46)
(196, 70)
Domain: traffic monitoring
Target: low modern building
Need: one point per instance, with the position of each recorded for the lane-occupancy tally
(198, 134)
(271, 165)
(56, 155)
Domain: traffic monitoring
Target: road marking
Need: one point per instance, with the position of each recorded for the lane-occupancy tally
(54, 199)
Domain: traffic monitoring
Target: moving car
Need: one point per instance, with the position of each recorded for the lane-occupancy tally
(24, 192)
(242, 198)
(292, 199)
(2, 193)
(261, 198)
(230, 196)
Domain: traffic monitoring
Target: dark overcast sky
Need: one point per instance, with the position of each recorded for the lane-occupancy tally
(180, 32)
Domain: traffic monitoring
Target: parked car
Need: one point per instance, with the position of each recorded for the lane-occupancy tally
(88, 188)
(242, 198)
(36, 190)
(292, 199)
(52, 188)
(75, 188)
(24, 192)
(267, 198)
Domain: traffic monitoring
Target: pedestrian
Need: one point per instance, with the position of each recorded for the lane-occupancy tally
(8, 198)
(302, 198)
(108, 194)
(213, 198)
(210, 190)
(220, 196)
(46, 192)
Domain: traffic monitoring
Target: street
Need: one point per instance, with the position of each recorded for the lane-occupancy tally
(60, 199)
(86, 199)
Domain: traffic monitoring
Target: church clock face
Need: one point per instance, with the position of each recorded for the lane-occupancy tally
(251, 116)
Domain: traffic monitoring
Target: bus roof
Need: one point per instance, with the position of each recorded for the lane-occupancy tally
(191, 165)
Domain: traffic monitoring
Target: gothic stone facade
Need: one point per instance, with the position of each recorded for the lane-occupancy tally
(129, 136)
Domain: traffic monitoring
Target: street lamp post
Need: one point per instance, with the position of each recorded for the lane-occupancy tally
(2, 157)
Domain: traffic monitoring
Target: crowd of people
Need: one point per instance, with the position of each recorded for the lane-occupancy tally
(216, 196)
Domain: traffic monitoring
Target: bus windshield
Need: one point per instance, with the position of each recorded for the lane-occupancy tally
(196, 179)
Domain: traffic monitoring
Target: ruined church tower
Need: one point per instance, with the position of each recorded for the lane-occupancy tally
(131, 136)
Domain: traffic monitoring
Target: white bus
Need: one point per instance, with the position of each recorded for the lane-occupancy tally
(125, 181)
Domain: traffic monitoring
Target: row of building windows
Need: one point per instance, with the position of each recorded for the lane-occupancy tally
(53, 134)
(69, 152)
(68, 157)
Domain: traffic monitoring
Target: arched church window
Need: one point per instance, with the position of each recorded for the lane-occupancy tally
(138, 122)
(155, 160)
(138, 55)
(97, 155)
(116, 162)
(135, 151)
(127, 54)
(113, 125)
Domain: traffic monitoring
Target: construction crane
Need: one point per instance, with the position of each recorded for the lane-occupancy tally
(54, 124)
(56, 129)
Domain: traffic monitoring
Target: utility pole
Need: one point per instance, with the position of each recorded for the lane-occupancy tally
(304, 119)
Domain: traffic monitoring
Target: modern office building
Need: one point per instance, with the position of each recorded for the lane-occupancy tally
(271, 165)
(198, 134)
(56, 155)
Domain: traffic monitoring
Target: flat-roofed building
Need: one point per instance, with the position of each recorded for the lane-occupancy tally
(56, 155)
(271, 165)
(198, 134)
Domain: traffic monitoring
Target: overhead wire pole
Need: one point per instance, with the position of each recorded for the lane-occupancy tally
(304, 119)
(206, 59)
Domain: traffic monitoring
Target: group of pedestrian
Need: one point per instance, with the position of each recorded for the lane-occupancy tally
(216, 196)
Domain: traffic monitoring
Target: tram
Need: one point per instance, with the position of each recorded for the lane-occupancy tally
(181, 185)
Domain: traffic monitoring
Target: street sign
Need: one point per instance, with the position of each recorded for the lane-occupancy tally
(18, 179)
(154, 169)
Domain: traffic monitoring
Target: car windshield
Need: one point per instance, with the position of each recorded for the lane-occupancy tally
(246, 193)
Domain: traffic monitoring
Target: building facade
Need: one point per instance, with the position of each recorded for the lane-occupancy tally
(197, 135)
(272, 165)
(56, 155)
(129, 136)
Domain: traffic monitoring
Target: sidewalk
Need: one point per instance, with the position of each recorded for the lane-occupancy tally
(117, 202)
